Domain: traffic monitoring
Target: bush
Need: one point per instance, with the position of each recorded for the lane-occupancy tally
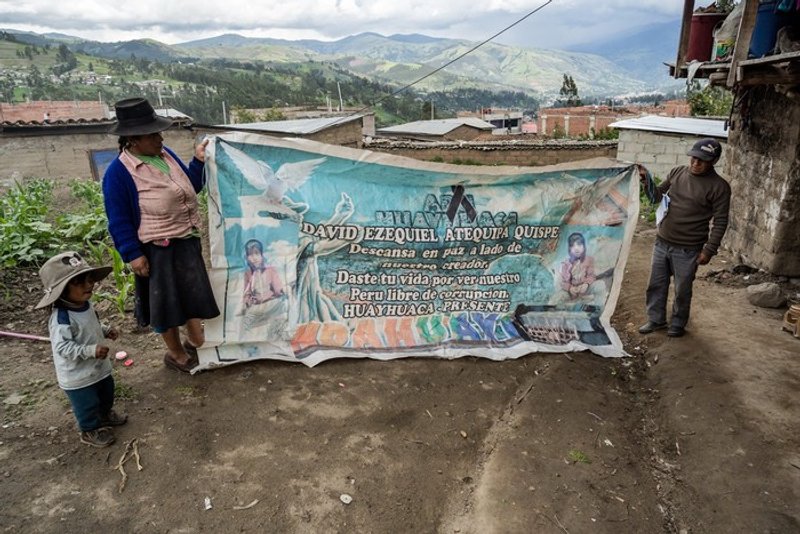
(709, 101)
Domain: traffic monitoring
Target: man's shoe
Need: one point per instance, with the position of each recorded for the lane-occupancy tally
(649, 327)
(102, 437)
(676, 331)
(113, 419)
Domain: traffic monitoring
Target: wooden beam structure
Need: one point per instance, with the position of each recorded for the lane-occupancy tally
(683, 41)
(778, 69)
(743, 37)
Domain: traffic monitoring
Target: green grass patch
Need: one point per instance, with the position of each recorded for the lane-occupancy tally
(579, 457)
(122, 391)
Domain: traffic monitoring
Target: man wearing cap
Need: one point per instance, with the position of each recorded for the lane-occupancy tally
(691, 197)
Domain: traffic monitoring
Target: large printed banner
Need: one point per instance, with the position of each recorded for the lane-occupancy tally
(320, 252)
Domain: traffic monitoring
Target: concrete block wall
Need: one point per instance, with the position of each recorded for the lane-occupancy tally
(347, 134)
(660, 152)
(764, 170)
(67, 156)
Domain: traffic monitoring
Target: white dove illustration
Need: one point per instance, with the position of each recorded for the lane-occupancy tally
(273, 185)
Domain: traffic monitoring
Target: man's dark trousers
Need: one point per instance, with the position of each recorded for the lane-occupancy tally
(681, 264)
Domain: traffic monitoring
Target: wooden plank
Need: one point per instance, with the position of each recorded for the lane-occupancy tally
(683, 41)
(769, 77)
(742, 46)
(717, 78)
(777, 58)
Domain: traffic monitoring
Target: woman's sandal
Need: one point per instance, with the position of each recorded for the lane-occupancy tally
(172, 364)
(191, 350)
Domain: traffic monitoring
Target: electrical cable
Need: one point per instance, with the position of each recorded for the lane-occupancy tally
(460, 56)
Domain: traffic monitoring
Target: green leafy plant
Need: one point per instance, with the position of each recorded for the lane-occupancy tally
(202, 202)
(708, 101)
(89, 224)
(31, 234)
(27, 237)
(98, 252)
(606, 134)
(647, 210)
(558, 132)
(122, 391)
(578, 457)
(124, 282)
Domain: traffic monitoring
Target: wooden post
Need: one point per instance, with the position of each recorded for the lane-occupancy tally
(683, 42)
(742, 46)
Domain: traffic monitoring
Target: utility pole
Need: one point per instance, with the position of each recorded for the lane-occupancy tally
(224, 114)
(341, 102)
(432, 114)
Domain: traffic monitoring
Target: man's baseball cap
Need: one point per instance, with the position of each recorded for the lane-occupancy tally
(706, 150)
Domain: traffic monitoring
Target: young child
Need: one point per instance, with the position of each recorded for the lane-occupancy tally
(82, 364)
(577, 271)
(261, 280)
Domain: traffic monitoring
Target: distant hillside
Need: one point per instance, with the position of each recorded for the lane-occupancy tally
(614, 67)
(604, 69)
(141, 48)
(403, 58)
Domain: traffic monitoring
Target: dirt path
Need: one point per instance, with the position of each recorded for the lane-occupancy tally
(704, 440)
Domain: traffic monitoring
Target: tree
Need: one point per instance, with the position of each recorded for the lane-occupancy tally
(427, 108)
(66, 60)
(90, 67)
(708, 101)
(569, 92)
(63, 53)
(243, 115)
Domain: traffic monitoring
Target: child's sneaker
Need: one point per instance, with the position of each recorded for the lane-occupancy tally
(113, 419)
(102, 437)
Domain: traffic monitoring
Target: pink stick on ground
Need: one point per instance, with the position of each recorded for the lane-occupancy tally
(19, 335)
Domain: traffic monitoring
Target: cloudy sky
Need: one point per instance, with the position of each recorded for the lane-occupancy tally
(561, 24)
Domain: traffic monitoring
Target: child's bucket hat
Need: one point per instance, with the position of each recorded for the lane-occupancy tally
(135, 116)
(59, 270)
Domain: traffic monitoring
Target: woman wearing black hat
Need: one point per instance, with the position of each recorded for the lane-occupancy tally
(151, 202)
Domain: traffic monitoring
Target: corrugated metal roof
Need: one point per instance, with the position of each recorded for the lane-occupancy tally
(678, 125)
(436, 127)
(296, 126)
(172, 113)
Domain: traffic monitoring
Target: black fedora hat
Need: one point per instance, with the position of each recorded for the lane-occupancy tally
(135, 116)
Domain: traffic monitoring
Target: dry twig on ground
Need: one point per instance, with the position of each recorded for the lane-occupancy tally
(131, 451)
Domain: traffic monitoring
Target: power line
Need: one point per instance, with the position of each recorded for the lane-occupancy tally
(439, 69)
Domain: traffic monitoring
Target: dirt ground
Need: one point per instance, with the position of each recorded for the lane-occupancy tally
(698, 434)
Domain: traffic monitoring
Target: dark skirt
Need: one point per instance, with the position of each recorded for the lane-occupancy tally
(177, 289)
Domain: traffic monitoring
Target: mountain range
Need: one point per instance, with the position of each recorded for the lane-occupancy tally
(623, 64)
